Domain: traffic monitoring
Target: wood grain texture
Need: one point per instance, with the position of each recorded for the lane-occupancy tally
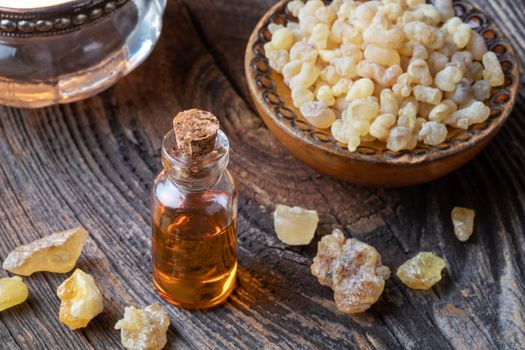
(92, 164)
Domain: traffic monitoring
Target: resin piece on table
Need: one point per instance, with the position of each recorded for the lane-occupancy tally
(295, 226)
(13, 291)
(422, 271)
(463, 221)
(353, 269)
(144, 329)
(81, 300)
(58, 253)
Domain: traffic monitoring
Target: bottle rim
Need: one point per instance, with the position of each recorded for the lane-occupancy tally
(221, 149)
(200, 172)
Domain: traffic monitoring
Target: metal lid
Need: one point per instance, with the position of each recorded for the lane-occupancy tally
(61, 18)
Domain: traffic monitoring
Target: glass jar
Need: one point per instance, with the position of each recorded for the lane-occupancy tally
(194, 219)
(60, 51)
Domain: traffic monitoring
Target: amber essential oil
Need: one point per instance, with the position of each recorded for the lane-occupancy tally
(194, 224)
(195, 261)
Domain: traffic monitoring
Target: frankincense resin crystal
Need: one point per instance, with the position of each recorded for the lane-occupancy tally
(422, 271)
(81, 300)
(13, 291)
(295, 226)
(352, 269)
(144, 329)
(58, 253)
(463, 221)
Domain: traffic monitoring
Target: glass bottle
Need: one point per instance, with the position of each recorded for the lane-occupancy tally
(194, 217)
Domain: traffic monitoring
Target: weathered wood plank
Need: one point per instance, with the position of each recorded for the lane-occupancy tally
(419, 218)
(92, 163)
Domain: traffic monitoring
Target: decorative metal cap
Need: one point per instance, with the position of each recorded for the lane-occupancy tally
(53, 20)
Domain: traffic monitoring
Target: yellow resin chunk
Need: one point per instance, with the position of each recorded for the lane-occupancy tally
(295, 226)
(353, 270)
(13, 291)
(422, 271)
(81, 300)
(144, 329)
(463, 221)
(58, 253)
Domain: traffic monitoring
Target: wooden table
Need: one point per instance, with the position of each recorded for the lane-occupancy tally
(92, 164)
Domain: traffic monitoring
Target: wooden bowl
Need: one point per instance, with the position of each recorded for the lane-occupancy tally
(372, 164)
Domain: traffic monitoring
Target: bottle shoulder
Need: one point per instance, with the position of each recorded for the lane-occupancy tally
(168, 193)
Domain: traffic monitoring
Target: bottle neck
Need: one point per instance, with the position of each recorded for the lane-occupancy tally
(195, 174)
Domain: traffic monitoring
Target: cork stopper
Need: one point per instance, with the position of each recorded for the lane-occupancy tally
(195, 132)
